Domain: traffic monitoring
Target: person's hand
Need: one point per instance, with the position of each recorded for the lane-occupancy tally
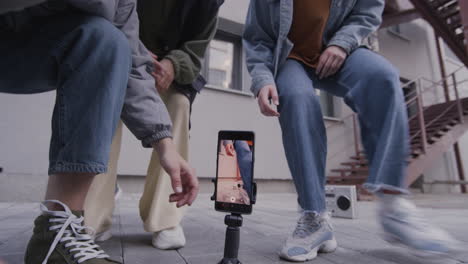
(163, 73)
(330, 61)
(266, 93)
(183, 178)
(230, 151)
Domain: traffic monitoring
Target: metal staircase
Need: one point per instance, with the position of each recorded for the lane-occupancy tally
(447, 17)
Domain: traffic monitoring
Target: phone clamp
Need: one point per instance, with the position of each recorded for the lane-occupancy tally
(231, 246)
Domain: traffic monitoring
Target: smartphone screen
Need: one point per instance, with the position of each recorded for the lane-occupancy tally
(234, 180)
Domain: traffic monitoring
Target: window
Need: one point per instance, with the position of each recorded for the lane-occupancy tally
(222, 67)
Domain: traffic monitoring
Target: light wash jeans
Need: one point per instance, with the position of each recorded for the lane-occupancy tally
(370, 85)
(87, 61)
(244, 159)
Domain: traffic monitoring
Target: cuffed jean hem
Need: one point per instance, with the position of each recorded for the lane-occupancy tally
(65, 167)
(315, 212)
(375, 188)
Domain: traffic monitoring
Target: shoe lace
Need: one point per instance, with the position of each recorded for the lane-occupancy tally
(307, 224)
(70, 231)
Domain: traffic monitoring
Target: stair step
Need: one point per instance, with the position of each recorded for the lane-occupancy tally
(431, 129)
(355, 163)
(351, 170)
(349, 179)
(358, 157)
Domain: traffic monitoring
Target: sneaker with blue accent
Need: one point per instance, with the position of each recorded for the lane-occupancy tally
(403, 224)
(313, 234)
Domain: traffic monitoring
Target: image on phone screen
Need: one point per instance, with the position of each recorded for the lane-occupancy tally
(235, 161)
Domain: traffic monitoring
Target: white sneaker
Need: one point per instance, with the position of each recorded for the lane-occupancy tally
(171, 238)
(313, 234)
(103, 236)
(403, 224)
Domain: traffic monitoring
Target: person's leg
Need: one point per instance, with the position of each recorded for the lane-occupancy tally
(88, 60)
(371, 87)
(244, 159)
(100, 201)
(157, 213)
(304, 134)
(305, 144)
(69, 189)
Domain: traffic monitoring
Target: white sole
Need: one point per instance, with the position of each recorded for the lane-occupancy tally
(393, 240)
(328, 246)
(168, 242)
(168, 247)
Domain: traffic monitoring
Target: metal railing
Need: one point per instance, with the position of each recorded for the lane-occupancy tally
(423, 97)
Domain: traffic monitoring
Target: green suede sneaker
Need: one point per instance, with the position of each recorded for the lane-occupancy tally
(60, 238)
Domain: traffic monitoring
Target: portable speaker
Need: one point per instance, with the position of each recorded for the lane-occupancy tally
(341, 201)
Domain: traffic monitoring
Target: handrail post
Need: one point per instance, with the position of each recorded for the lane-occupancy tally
(457, 98)
(356, 137)
(422, 123)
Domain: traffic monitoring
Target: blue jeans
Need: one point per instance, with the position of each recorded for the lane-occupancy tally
(370, 85)
(87, 61)
(244, 159)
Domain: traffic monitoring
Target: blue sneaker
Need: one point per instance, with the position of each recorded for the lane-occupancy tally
(313, 234)
(403, 224)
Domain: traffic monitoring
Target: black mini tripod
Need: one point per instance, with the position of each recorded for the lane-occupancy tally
(231, 246)
(234, 223)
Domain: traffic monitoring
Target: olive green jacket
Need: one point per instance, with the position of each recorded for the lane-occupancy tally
(162, 33)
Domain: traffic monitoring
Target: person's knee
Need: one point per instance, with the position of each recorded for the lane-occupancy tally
(180, 102)
(385, 81)
(108, 40)
(386, 73)
(299, 97)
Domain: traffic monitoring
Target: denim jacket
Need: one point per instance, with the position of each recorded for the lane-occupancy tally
(268, 23)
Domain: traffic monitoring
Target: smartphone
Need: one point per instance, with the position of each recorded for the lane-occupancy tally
(234, 187)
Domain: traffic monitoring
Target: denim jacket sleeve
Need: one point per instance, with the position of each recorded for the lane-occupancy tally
(365, 18)
(259, 42)
(144, 112)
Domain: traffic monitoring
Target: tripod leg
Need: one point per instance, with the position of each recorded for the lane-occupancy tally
(231, 249)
